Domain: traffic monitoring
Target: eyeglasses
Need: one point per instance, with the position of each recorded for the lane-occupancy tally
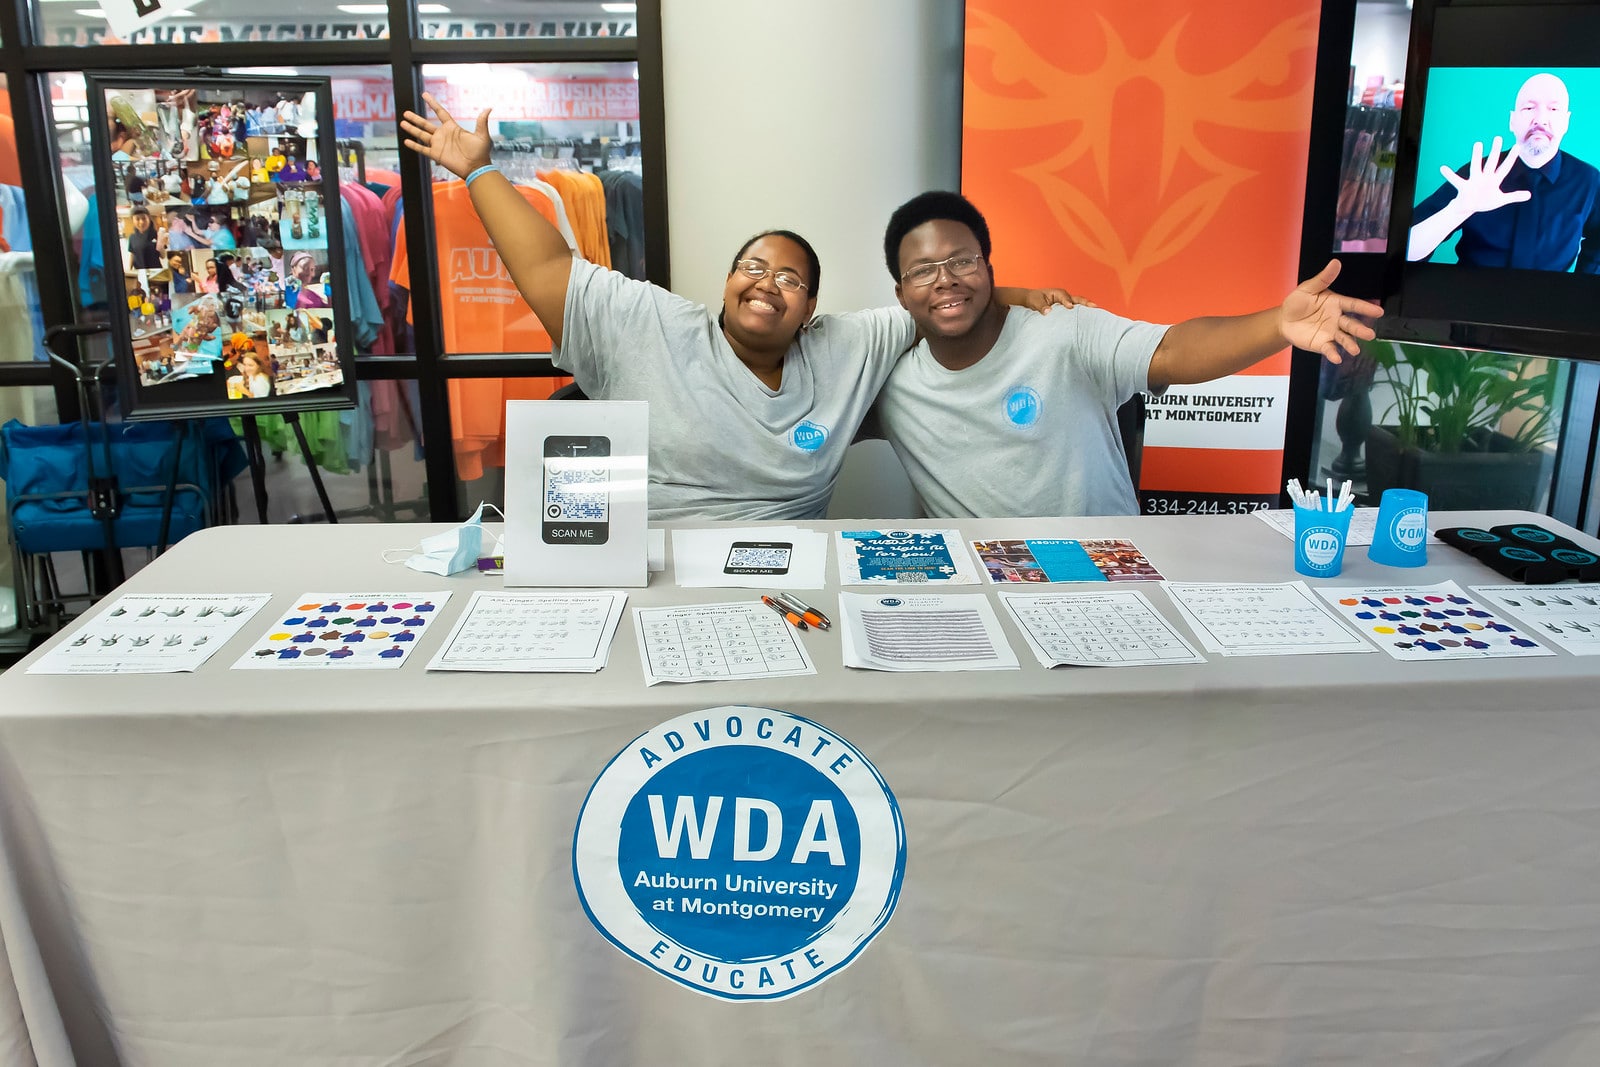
(959, 265)
(788, 281)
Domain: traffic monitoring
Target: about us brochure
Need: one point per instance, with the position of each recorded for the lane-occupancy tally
(1051, 559)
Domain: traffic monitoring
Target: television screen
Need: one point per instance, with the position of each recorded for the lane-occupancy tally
(1495, 240)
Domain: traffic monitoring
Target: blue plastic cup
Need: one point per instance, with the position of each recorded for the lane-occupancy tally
(1401, 536)
(1319, 538)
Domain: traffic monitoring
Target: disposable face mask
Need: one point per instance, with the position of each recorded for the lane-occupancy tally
(449, 552)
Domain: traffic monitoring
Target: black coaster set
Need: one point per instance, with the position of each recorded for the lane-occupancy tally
(1525, 553)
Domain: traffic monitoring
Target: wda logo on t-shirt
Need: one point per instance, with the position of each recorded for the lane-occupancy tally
(808, 436)
(1023, 406)
(743, 852)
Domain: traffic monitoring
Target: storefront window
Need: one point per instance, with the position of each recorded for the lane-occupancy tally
(1372, 124)
(21, 325)
(568, 136)
(75, 23)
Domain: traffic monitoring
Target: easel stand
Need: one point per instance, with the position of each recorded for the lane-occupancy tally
(256, 456)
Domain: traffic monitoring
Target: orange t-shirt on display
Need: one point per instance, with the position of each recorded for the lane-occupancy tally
(478, 418)
(481, 310)
(480, 307)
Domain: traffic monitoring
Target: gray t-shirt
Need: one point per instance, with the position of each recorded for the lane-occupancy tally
(1030, 429)
(723, 445)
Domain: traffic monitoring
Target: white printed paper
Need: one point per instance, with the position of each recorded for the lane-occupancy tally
(766, 557)
(1262, 620)
(532, 632)
(1119, 628)
(153, 633)
(922, 632)
(718, 642)
(1362, 525)
(1429, 622)
(345, 631)
(1567, 616)
(919, 557)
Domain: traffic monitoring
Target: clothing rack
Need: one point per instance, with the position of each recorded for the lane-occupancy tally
(352, 153)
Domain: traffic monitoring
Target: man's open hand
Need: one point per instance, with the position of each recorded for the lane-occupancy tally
(1317, 319)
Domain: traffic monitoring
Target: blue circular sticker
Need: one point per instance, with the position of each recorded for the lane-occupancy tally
(808, 436)
(746, 853)
(1574, 557)
(1537, 535)
(1023, 406)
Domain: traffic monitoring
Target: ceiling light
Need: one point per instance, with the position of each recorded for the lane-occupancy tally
(432, 9)
(619, 9)
(364, 9)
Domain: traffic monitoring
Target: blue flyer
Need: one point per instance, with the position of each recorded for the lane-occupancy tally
(871, 557)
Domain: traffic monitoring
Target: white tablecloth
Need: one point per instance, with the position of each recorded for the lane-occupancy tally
(1296, 860)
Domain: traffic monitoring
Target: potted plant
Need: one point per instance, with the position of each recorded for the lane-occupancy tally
(1467, 428)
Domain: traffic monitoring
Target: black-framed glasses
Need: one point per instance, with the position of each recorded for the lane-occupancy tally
(959, 265)
(754, 269)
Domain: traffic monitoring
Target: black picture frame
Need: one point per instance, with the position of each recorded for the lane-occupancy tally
(169, 364)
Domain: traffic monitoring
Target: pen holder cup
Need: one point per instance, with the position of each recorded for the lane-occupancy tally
(1400, 538)
(1319, 538)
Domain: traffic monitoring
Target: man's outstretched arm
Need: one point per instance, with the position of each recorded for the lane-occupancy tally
(1313, 317)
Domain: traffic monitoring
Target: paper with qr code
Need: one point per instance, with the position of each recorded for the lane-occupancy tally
(921, 557)
(758, 557)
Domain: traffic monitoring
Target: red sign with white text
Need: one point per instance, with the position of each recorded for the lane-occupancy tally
(513, 97)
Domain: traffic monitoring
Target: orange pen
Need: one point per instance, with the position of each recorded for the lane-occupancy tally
(805, 611)
(786, 612)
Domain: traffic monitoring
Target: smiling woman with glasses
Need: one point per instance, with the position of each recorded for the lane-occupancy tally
(752, 408)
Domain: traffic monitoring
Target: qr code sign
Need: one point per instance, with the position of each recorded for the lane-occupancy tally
(576, 494)
(761, 557)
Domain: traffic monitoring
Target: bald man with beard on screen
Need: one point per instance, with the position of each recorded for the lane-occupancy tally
(1536, 208)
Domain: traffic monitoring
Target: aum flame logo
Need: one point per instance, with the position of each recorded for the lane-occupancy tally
(1262, 90)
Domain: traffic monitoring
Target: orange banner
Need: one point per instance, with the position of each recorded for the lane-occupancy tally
(1152, 158)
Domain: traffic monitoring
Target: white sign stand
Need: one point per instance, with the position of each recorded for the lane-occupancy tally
(576, 474)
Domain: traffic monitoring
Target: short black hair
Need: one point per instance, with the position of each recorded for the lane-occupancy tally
(813, 264)
(927, 207)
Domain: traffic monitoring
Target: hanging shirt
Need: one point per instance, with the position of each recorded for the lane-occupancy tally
(481, 308)
(14, 228)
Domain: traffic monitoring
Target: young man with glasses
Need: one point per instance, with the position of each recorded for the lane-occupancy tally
(751, 409)
(999, 414)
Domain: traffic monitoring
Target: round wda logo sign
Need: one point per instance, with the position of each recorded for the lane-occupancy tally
(743, 852)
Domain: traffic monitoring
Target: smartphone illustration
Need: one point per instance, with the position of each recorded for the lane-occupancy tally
(577, 493)
(758, 557)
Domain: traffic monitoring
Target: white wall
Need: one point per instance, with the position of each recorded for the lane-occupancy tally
(819, 117)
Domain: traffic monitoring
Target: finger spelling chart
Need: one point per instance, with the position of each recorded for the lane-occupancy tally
(346, 631)
(1423, 622)
(717, 642)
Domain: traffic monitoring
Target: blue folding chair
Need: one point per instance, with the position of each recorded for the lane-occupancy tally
(96, 488)
(90, 487)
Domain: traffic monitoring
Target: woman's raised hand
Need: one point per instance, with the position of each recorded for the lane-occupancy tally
(455, 148)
